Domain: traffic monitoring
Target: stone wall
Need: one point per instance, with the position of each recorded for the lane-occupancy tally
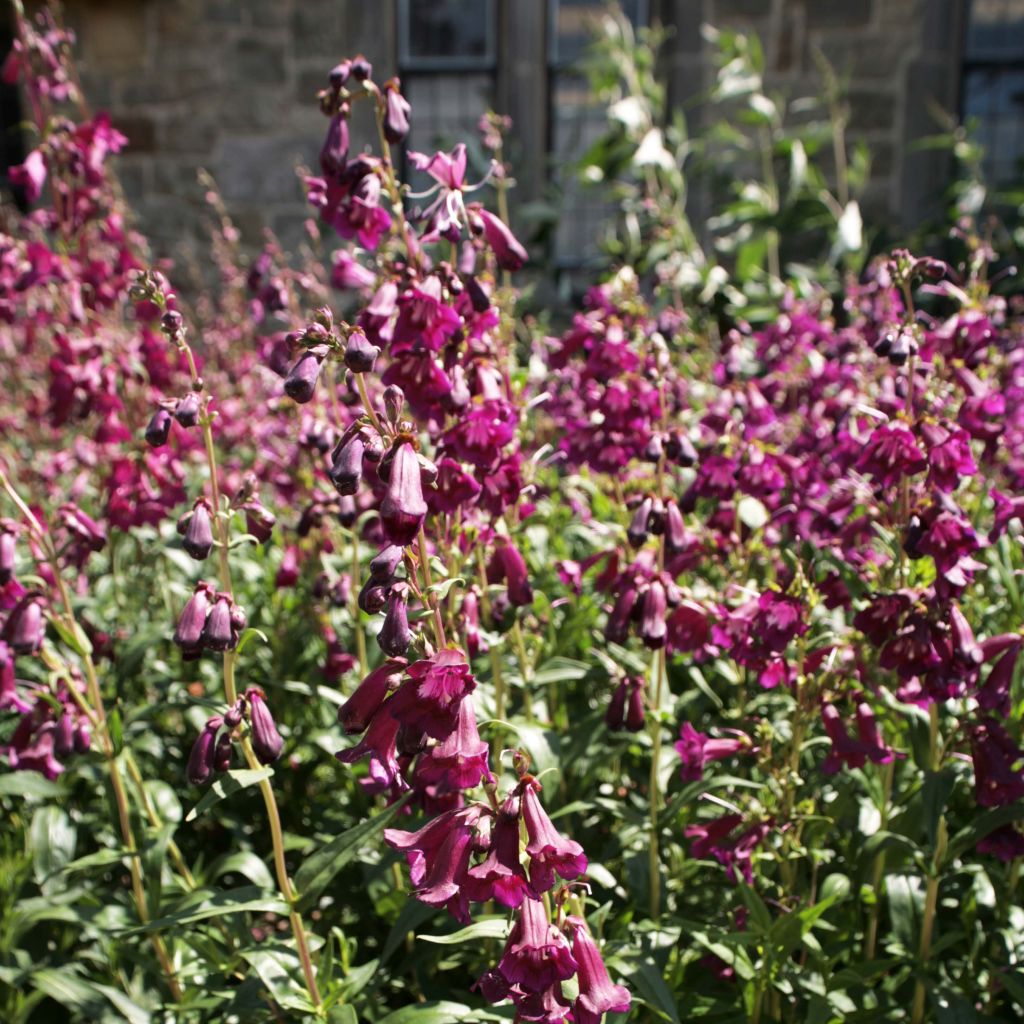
(229, 85)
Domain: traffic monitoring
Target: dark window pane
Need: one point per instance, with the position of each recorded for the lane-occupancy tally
(995, 30)
(448, 30)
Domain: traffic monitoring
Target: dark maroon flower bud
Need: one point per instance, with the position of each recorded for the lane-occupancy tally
(217, 633)
(385, 562)
(654, 449)
(374, 451)
(186, 411)
(64, 738)
(679, 448)
(395, 635)
(339, 74)
(334, 152)
(83, 738)
(158, 429)
(508, 251)
(347, 464)
(189, 633)
(615, 716)
(223, 752)
(478, 296)
(965, 647)
(259, 521)
(640, 523)
(396, 113)
(994, 695)
(902, 347)
(200, 760)
(372, 597)
(340, 591)
(635, 706)
(348, 511)
(234, 714)
(675, 528)
(300, 383)
(361, 68)
(652, 622)
(171, 322)
(360, 355)
(238, 619)
(8, 551)
(617, 628)
(394, 401)
(403, 509)
(507, 565)
(198, 532)
(266, 740)
(24, 628)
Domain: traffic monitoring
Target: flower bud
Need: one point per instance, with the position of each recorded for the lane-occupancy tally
(223, 752)
(83, 738)
(508, 251)
(234, 714)
(403, 509)
(394, 401)
(334, 153)
(396, 113)
(186, 411)
(361, 68)
(158, 429)
(300, 383)
(339, 74)
(395, 635)
(360, 355)
(259, 521)
(640, 524)
(372, 597)
(189, 633)
(347, 464)
(385, 562)
(652, 621)
(355, 714)
(266, 740)
(24, 628)
(8, 551)
(64, 738)
(217, 633)
(198, 533)
(200, 760)
(675, 528)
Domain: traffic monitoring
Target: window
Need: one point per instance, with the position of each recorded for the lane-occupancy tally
(447, 62)
(576, 122)
(993, 85)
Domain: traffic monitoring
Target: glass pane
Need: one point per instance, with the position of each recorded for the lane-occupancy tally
(440, 29)
(995, 30)
(571, 22)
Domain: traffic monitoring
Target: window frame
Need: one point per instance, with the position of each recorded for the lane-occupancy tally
(487, 61)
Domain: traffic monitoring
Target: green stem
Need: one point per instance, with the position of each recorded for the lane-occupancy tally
(658, 671)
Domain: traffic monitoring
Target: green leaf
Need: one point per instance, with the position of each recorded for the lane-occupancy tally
(131, 1011)
(442, 588)
(442, 1012)
(246, 863)
(247, 635)
(116, 729)
(317, 870)
(232, 901)
(28, 784)
(343, 1014)
(228, 784)
(653, 989)
(488, 928)
(74, 638)
(52, 839)
(64, 986)
(969, 837)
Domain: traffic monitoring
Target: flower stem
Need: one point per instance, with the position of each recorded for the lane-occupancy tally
(659, 668)
(870, 941)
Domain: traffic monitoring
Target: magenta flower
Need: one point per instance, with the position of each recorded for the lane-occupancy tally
(696, 749)
(365, 701)
(395, 635)
(994, 694)
(890, 454)
(425, 320)
(731, 848)
(500, 876)
(509, 253)
(9, 698)
(537, 954)
(266, 740)
(597, 995)
(459, 761)
(396, 113)
(508, 566)
(23, 631)
(379, 745)
(626, 708)
(30, 175)
(549, 851)
(433, 691)
(853, 752)
(201, 758)
(189, 633)
(998, 776)
(197, 530)
(403, 509)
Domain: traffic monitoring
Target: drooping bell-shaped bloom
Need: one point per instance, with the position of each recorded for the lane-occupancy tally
(696, 749)
(445, 878)
(8, 550)
(429, 700)
(334, 152)
(300, 384)
(461, 760)
(994, 694)
(395, 635)
(355, 714)
(379, 744)
(403, 509)
(360, 355)
(189, 633)
(617, 627)
(266, 740)
(259, 521)
(201, 759)
(508, 566)
(597, 995)
(218, 632)
(998, 777)
(23, 631)
(158, 428)
(890, 454)
(9, 697)
(186, 411)
(396, 113)
(500, 876)
(197, 531)
(509, 253)
(550, 852)
(639, 525)
(31, 747)
(653, 628)
(853, 752)
(537, 954)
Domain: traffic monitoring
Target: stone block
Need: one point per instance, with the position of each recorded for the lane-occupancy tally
(872, 109)
(867, 55)
(112, 35)
(838, 13)
(258, 60)
(260, 168)
(139, 129)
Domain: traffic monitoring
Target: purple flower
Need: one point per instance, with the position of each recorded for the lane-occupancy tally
(453, 489)
(626, 708)
(549, 851)
(197, 530)
(201, 759)
(9, 698)
(300, 384)
(347, 463)
(266, 740)
(403, 509)
(158, 429)
(360, 355)
(508, 252)
(349, 273)
(537, 954)
(597, 995)
(729, 847)
(500, 876)
(334, 152)
(696, 749)
(653, 628)
(189, 633)
(395, 635)
(890, 454)
(396, 113)
(379, 744)
(23, 630)
(461, 760)
(853, 752)
(998, 777)
(355, 714)
(994, 694)
(186, 411)
(508, 566)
